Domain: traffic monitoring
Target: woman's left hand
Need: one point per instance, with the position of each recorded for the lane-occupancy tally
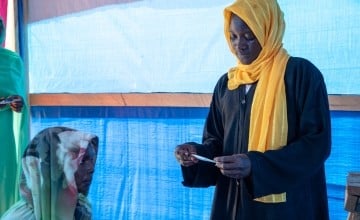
(235, 166)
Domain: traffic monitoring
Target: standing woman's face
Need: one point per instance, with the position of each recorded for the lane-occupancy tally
(243, 41)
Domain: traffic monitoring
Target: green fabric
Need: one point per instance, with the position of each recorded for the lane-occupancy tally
(14, 129)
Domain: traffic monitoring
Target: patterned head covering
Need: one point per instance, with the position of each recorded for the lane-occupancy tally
(48, 184)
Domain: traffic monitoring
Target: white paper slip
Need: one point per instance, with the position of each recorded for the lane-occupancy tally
(202, 158)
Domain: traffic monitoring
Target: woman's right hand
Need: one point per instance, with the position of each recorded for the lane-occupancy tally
(17, 103)
(183, 154)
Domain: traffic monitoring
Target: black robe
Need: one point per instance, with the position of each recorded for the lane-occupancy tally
(297, 168)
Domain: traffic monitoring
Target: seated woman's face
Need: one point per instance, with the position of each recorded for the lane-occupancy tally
(83, 175)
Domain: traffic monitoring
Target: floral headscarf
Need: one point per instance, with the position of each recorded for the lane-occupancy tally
(48, 183)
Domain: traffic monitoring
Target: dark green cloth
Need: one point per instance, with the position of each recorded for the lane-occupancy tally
(14, 129)
(297, 168)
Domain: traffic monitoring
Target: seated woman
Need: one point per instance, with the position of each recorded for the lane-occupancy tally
(57, 170)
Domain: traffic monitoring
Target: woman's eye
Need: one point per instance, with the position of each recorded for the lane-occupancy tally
(249, 36)
(245, 36)
(84, 159)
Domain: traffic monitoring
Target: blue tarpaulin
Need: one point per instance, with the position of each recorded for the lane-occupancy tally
(137, 176)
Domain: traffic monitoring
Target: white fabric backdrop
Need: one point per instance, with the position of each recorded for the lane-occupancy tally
(178, 46)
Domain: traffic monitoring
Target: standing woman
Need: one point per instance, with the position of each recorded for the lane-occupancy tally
(268, 128)
(14, 122)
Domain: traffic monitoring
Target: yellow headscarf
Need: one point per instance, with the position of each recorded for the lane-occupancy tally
(268, 120)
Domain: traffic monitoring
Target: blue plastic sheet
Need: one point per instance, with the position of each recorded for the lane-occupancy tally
(137, 176)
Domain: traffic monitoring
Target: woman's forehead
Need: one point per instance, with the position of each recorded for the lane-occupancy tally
(90, 152)
(238, 23)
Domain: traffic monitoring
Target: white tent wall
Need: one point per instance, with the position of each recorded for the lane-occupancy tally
(178, 46)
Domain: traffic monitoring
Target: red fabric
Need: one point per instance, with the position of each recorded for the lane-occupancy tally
(3, 13)
(3, 10)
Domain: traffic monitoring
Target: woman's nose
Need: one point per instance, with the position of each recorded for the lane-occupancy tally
(240, 44)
